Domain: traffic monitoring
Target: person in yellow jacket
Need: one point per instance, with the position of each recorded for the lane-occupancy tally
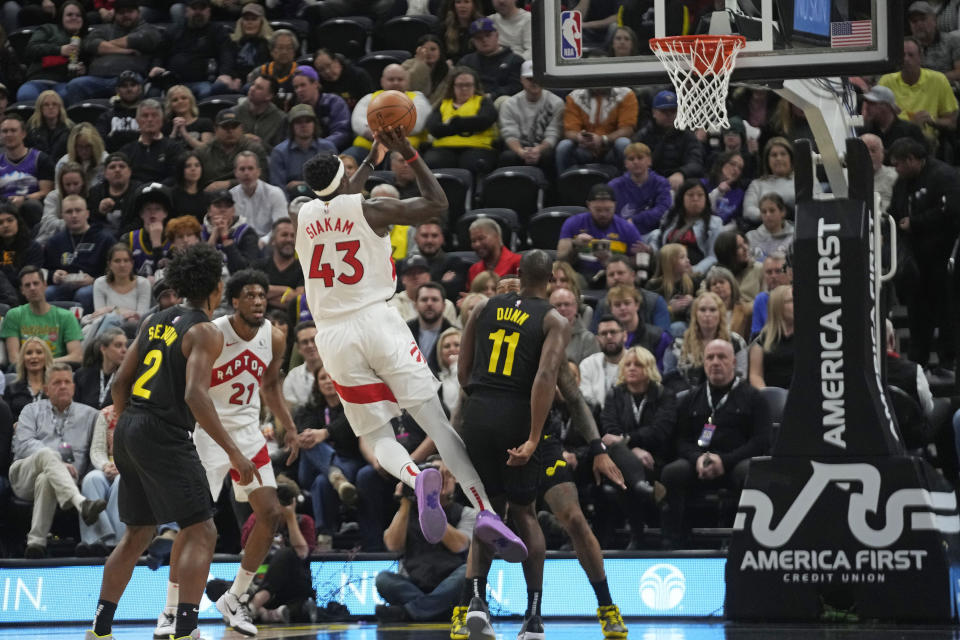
(393, 78)
(464, 126)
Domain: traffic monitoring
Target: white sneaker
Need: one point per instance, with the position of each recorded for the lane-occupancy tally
(166, 625)
(236, 613)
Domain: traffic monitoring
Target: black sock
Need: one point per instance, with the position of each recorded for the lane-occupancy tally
(103, 619)
(533, 603)
(466, 592)
(602, 589)
(474, 587)
(186, 619)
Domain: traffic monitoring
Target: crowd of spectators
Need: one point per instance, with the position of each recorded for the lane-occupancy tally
(674, 274)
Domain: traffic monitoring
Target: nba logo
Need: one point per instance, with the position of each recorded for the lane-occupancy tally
(570, 35)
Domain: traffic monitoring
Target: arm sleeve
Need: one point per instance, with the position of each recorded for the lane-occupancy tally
(751, 202)
(661, 314)
(144, 294)
(436, 126)
(243, 252)
(923, 391)
(40, 45)
(486, 117)
(278, 168)
(756, 444)
(25, 441)
(145, 38)
(340, 133)
(509, 125)
(686, 445)
(278, 205)
(609, 418)
(424, 109)
(358, 119)
(627, 113)
(70, 327)
(99, 293)
(10, 327)
(98, 443)
(554, 131)
(92, 42)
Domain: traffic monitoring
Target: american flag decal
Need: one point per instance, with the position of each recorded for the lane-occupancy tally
(858, 33)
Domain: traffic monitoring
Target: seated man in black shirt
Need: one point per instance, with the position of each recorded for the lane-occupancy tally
(719, 426)
(282, 268)
(152, 156)
(109, 199)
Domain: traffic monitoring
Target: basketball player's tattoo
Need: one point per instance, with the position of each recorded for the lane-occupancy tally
(581, 418)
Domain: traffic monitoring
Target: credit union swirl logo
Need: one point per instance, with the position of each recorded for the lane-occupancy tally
(662, 587)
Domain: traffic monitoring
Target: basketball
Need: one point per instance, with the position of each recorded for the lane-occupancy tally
(392, 109)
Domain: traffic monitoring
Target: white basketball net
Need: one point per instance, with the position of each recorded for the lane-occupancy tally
(699, 67)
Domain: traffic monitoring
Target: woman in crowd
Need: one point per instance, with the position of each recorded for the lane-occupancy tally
(771, 354)
(707, 322)
(187, 193)
(454, 27)
(675, 282)
(733, 253)
(102, 483)
(101, 359)
(428, 67)
(777, 177)
(33, 364)
(17, 247)
(49, 127)
(775, 233)
(463, 126)
(329, 456)
(624, 43)
(72, 181)
(183, 120)
(691, 222)
(49, 52)
(251, 37)
(448, 351)
(467, 304)
(120, 294)
(725, 186)
(566, 277)
(739, 312)
(485, 283)
(85, 147)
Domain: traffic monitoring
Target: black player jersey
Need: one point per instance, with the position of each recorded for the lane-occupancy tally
(508, 341)
(160, 384)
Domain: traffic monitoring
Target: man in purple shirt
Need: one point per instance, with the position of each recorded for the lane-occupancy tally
(588, 239)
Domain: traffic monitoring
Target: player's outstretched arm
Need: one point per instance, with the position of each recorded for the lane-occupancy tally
(552, 357)
(273, 396)
(201, 346)
(359, 178)
(432, 203)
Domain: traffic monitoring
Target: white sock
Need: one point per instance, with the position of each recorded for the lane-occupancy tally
(433, 421)
(241, 582)
(77, 501)
(391, 455)
(173, 597)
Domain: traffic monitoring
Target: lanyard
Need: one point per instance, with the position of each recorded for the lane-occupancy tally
(638, 410)
(722, 401)
(105, 385)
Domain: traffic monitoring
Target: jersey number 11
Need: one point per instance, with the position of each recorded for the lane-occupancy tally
(498, 338)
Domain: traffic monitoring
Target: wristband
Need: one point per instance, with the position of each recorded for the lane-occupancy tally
(411, 160)
(283, 298)
(597, 447)
(368, 163)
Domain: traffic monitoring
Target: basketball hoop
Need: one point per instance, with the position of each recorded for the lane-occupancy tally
(699, 67)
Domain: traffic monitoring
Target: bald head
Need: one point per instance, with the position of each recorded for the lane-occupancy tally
(719, 362)
(875, 147)
(394, 78)
(536, 268)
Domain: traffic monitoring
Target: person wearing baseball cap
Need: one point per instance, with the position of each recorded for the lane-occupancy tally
(304, 142)
(218, 155)
(415, 271)
(588, 239)
(881, 117)
(677, 154)
(330, 109)
(230, 233)
(498, 66)
(530, 125)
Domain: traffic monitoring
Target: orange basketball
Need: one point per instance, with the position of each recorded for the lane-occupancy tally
(392, 109)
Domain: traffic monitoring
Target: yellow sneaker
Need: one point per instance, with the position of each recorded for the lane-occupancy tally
(611, 622)
(458, 624)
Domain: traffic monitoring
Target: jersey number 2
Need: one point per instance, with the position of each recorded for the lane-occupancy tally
(153, 359)
(323, 271)
(499, 337)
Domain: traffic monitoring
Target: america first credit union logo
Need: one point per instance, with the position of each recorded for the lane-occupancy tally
(662, 587)
(571, 35)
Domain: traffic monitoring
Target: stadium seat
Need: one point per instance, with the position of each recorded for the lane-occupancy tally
(506, 218)
(379, 177)
(574, 184)
(19, 39)
(519, 188)
(776, 399)
(458, 185)
(543, 229)
(403, 32)
(88, 110)
(347, 35)
(22, 109)
(914, 426)
(467, 257)
(375, 61)
(210, 107)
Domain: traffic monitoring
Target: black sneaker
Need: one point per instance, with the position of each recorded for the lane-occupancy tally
(478, 621)
(90, 510)
(391, 613)
(35, 551)
(531, 629)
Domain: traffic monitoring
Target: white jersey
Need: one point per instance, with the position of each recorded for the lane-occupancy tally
(236, 375)
(346, 265)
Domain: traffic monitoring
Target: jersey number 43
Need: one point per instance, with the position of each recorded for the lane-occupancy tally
(324, 271)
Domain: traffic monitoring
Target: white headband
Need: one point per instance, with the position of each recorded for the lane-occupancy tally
(330, 188)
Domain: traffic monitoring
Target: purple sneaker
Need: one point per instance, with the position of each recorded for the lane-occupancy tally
(433, 521)
(492, 531)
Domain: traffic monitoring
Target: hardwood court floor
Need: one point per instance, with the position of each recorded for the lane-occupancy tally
(555, 630)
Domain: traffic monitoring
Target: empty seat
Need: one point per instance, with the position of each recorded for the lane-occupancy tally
(574, 184)
(403, 32)
(347, 35)
(543, 229)
(506, 218)
(458, 185)
(88, 110)
(210, 107)
(379, 177)
(19, 39)
(22, 109)
(375, 61)
(519, 188)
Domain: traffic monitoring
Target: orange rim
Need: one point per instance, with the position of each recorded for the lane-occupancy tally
(708, 44)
